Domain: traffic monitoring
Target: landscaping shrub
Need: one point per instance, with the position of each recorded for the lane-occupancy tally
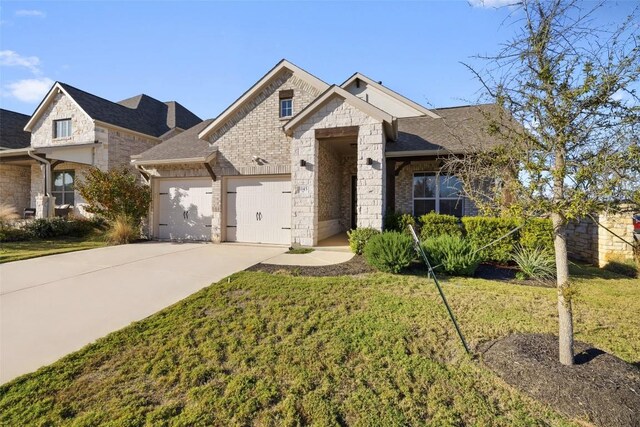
(535, 263)
(51, 228)
(398, 221)
(122, 231)
(452, 254)
(390, 251)
(537, 233)
(483, 230)
(115, 193)
(434, 225)
(359, 237)
(10, 234)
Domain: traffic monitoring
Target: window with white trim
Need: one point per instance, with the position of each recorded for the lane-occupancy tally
(63, 187)
(286, 107)
(437, 192)
(62, 128)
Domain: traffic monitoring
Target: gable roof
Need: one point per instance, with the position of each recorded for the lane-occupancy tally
(257, 87)
(141, 113)
(458, 130)
(184, 146)
(12, 134)
(337, 91)
(395, 95)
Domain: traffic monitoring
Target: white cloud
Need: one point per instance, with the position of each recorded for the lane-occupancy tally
(30, 12)
(29, 90)
(9, 58)
(488, 4)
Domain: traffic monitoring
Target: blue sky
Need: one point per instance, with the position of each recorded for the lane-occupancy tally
(206, 54)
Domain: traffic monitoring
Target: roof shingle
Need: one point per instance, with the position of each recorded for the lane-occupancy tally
(12, 133)
(185, 145)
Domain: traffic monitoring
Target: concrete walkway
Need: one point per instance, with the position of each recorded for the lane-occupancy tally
(54, 305)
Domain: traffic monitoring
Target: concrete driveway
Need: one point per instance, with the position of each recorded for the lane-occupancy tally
(57, 304)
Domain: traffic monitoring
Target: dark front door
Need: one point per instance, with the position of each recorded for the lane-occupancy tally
(354, 201)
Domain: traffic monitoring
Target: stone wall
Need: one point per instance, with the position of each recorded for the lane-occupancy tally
(349, 169)
(62, 107)
(593, 243)
(371, 142)
(15, 186)
(404, 187)
(329, 183)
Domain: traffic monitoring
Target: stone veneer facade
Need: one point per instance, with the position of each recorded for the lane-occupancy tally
(593, 243)
(305, 184)
(15, 186)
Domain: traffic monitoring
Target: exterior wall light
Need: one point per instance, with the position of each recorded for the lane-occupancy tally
(303, 163)
(369, 161)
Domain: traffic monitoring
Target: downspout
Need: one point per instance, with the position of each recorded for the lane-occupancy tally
(47, 171)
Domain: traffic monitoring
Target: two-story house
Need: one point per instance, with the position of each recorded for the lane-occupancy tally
(72, 130)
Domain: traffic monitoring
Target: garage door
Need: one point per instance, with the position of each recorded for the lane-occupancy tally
(259, 210)
(184, 209)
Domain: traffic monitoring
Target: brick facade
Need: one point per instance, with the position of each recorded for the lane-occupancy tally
(63, 107)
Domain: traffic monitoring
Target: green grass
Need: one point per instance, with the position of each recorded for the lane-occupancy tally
(300, 251)
(15, 251)
(371, 350)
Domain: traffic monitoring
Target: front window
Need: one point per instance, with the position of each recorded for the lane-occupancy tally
(286, 107)
(62, 128)
(437, 192)
(63, 187)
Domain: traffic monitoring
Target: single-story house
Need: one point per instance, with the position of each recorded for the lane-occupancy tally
(42, 155)
(295, 160)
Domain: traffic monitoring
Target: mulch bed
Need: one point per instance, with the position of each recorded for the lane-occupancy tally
(356, 265)
(600, 388)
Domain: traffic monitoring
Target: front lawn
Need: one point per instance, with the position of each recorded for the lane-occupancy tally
(375, 349)
(15, 251)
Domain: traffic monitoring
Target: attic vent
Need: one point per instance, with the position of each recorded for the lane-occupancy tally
(358, 83)
(286, 94)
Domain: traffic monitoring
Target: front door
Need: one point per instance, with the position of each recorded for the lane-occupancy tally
(354, 202)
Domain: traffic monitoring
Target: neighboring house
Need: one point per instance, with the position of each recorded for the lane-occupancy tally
(72, 130)
(295, 160)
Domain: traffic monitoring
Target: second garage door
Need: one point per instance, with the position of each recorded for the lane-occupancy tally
(258, 210)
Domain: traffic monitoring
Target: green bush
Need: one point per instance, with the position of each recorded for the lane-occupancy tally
(398, 221)
(390, 251)
(434, 225)
(537, 233)
(484, 230)
(10, 234)
(535, 262)
(452, 254)
(51, 228)
(359, 237)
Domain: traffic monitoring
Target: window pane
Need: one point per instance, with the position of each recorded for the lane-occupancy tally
(69, 198)
(451, 207)
(286, 107)
(58, 196)
(68, 181)
(421, 207)
(430, 187)
(58, 181)
(418, 185)
(450, 186)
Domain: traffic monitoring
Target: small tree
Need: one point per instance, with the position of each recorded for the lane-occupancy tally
(115, 193)
(568, 116)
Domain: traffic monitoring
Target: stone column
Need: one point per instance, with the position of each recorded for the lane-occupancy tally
(45, 206)
(304, 181)
(371, 178)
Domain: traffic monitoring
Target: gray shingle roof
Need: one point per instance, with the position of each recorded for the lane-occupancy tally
(140, 113)
(12, 134)
(459, 129)
(185, 145)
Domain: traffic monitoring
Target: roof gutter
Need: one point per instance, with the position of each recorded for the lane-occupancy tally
(47, 172)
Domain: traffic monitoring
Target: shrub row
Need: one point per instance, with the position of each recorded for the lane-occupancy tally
(49, 228)
(481, 231)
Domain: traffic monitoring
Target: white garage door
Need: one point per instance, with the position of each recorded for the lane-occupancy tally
(185, 209)
(259, 210)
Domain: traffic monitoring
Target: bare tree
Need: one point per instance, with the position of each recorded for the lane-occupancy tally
(567, 117)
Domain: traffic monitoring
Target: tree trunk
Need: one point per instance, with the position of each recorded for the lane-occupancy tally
(565, 314)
